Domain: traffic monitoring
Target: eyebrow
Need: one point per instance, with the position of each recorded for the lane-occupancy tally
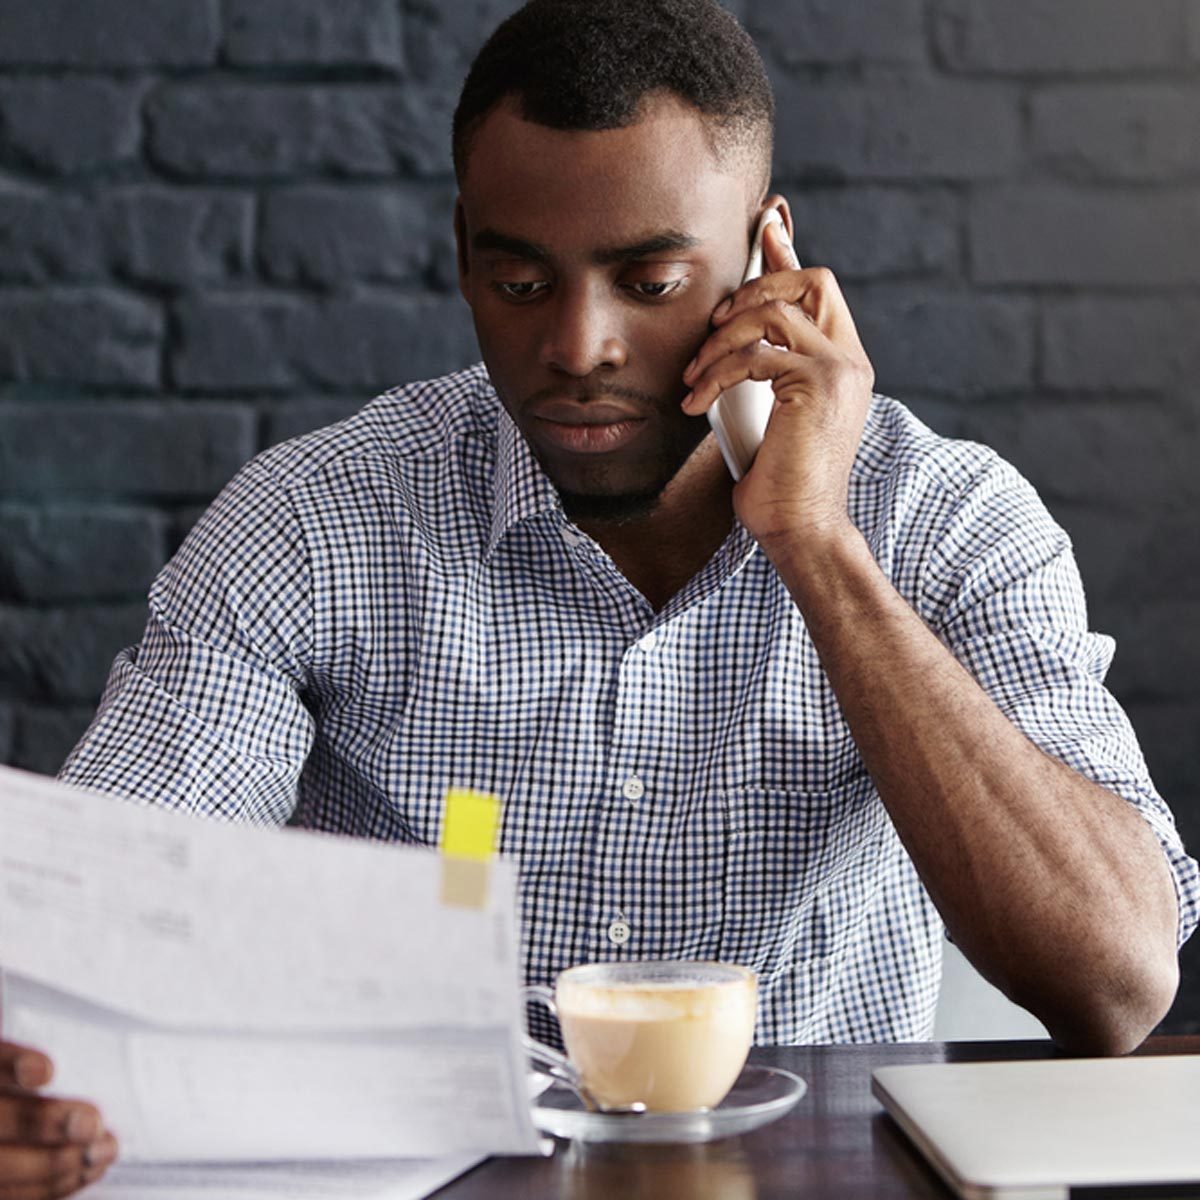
(660, 243)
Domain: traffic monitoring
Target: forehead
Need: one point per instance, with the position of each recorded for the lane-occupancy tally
(660, 172)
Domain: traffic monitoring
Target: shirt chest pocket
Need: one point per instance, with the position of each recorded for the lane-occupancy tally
(794, 881)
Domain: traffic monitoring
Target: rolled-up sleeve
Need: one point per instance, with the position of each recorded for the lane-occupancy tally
(1002, 590)
(206, 712)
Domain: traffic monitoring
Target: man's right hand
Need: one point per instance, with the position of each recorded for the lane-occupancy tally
(48, 1147)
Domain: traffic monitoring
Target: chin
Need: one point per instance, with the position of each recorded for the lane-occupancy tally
(615, 508)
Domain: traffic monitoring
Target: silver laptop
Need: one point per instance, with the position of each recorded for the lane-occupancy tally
(1046, 1130)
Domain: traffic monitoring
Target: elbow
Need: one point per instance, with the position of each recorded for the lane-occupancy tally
(1117, 1017)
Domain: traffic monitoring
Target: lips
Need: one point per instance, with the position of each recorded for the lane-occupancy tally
(590, 412)
(594, 427)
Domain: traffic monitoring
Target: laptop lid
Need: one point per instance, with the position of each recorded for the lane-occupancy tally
(1036, 1130)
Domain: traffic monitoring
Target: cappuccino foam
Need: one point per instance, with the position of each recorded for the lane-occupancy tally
(671, 1045)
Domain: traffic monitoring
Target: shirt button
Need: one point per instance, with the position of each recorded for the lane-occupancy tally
(571, 538)
(648, 642)
(632, 788)
(618, 932)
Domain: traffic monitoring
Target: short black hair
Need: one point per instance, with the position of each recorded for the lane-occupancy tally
(590, 64)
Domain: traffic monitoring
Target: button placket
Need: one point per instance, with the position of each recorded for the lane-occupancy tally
(626, 824)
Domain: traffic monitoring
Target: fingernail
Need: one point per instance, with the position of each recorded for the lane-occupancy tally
(82, 1126)
(687, 400)
(97, 1153)
(722, 308)
(29, 1072)
(690, 367)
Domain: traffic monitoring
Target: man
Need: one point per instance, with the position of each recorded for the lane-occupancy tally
(799, 723)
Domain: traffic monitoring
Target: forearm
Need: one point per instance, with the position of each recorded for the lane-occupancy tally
(1052, 885)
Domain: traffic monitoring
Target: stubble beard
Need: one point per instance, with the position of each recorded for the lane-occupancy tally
(617, 509)
(601, 501)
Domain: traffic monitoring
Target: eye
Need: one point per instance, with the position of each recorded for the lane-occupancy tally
(655, 289)
(522, 290)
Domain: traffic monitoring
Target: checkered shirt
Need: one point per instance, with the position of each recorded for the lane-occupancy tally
(378, 611)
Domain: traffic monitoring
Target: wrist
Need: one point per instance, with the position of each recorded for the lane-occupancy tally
(825, 564)
(810, 542)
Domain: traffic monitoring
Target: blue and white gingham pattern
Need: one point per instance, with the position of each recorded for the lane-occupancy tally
(378, 611)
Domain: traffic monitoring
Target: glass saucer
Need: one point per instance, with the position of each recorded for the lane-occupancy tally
(760, 1095)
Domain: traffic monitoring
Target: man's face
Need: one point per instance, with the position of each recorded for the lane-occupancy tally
(592, 262)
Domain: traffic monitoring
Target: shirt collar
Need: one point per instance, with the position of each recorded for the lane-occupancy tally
(520, 489)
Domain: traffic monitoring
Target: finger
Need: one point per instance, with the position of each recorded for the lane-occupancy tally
(814, 289)
(824, 302)
(776, 322)
(778, 251)
(23, 1166)
(47, 1167)
(758, 361)
(50, 1189)
(47, 1120)
(24, 1067)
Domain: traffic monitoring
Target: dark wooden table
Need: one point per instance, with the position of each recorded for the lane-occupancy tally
(837, 1141)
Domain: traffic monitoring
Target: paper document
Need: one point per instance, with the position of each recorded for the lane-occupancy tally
(375, 1180)
(229, 992)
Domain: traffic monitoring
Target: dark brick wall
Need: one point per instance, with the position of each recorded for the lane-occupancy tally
(225, 223)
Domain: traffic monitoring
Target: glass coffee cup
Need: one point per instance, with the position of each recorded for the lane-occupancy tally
(650, 1036)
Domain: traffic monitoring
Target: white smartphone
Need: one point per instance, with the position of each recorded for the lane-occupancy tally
(739, 415)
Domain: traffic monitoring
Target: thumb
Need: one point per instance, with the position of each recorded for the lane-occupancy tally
(778, 251)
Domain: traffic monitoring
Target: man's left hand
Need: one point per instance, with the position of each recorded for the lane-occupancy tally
(792, 327)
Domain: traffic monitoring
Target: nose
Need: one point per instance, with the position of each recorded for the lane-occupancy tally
(583, 333)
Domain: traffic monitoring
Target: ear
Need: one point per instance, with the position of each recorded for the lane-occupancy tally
(775, 200)
(461, 246)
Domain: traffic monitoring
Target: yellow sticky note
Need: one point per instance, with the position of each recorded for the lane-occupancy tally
(470, 824)
(464, 883)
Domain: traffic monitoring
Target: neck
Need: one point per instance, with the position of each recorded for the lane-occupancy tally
(660, 551)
